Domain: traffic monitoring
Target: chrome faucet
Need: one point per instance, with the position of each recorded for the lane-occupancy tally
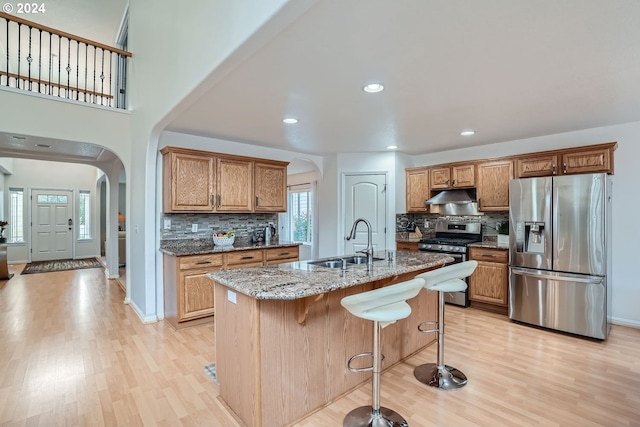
(369, 249)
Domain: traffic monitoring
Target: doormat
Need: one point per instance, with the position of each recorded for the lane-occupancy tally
(211, 371)
(60, 265)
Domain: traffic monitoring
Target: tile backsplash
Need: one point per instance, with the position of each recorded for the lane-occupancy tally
(426, 222)
(242, 224)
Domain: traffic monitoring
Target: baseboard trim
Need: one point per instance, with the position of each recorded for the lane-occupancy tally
(625, 322)
(143, 318)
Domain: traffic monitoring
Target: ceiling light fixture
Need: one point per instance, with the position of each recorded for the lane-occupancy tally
(468, 132)
(391, 147)
(19, 138)
(289, 120)
(373, 88)
(43, 145)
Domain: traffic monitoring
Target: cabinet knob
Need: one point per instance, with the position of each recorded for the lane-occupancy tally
(219, 200)
(257, 201)
(454, 182)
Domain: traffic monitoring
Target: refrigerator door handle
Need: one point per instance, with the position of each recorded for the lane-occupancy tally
(594, 280)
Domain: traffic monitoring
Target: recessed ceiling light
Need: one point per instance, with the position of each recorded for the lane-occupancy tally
(373, 87)
(19, 138)
(468, 132)
(43, 145)
(289, 120)
(391, 147)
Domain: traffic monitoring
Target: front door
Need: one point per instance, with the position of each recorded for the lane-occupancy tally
(365, 197)
(52, 229)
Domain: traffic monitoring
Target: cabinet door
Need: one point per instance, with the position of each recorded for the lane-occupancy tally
(196, 295)
(270, 184)
(464, 176)
(188, 182)
(488, 283)
(407, 246)
(234, 185)
(440, 178)
(590, 161)
(279, 255)
(546, 165)
(417, 182)
(493, 185)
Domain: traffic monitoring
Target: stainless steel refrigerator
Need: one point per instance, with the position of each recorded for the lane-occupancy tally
(560, 253)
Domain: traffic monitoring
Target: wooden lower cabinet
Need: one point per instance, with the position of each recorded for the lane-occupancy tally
(188, 291)
(407, 246)
(489, 284)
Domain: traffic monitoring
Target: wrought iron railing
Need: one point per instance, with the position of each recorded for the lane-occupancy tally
(44, 60)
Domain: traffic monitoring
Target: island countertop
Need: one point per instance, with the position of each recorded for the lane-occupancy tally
(295, 280)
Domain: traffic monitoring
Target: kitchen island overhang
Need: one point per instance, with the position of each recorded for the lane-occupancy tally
(283, 339)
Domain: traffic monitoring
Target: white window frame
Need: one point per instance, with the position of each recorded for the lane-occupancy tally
(84, 199)
(16, 216)
(294, 190)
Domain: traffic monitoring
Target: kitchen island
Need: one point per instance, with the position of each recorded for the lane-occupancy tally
(283, 339)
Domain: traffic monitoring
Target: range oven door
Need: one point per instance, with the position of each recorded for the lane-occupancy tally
(460, 298)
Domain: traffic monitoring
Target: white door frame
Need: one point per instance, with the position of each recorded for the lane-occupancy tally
(342, 205)
(31, 218)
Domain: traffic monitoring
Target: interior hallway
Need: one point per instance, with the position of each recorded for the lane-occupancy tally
(72, 354)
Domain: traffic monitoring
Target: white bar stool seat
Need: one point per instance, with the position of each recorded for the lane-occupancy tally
(382, 306)
(445, 279)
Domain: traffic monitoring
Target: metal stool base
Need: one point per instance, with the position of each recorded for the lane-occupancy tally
(444, 377)
(364, 417)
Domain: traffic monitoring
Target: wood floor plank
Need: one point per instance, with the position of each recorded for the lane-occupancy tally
(73, 354)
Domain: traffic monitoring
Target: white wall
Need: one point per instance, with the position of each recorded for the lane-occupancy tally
(36, 174)
(626, 204)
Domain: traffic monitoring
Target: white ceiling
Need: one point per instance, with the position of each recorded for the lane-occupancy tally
(509, 69)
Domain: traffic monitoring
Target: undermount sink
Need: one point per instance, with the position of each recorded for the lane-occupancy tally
(337, 263)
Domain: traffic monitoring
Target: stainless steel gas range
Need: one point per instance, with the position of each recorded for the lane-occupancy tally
(452, 238)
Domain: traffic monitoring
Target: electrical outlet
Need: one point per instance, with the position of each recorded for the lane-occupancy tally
(231, 296)
(194, 228)
(167, 224)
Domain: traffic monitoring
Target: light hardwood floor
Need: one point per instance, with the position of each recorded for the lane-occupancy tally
(72, 354)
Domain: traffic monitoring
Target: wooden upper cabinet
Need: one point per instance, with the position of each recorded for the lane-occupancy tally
(545, 165)
(270, 185)
(417, 188)
(444, 178)
(234, 185)
(589, 161)
(201, 181)
(493, 185)
(188, 182)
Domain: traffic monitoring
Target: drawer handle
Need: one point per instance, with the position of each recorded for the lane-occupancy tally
(283, 253)
(488, 255)
(203, 262)
(247, 257)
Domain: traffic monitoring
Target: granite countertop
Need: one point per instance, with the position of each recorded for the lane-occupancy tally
(294, 280)
(491, 244)
(183, 247)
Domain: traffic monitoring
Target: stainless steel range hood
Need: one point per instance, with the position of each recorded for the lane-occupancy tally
(459, 197)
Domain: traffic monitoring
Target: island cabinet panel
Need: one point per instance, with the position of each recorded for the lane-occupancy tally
(493, 185)
(417, 189)
(188, 182)
(234, 184)
(276, 367)
(270, 184)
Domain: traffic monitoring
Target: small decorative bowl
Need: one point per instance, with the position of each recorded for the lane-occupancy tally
(223, 241)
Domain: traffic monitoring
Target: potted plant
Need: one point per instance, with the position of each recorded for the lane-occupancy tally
(503, 233)
(3, 225)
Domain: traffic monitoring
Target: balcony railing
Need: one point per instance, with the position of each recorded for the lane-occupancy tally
(44, 60)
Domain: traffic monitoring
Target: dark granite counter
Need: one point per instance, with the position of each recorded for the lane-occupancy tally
(184, 247)
(301, 279)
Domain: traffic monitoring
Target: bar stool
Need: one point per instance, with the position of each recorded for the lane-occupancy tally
(445, 279)
(383, 306)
